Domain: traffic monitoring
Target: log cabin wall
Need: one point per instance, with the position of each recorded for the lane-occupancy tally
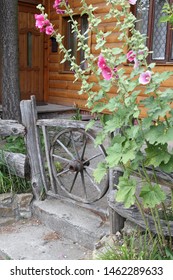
(60, 87)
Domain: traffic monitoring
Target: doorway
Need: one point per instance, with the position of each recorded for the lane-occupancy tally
(31, 54)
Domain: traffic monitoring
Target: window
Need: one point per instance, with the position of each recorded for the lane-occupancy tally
(159, 35)
(71, 39)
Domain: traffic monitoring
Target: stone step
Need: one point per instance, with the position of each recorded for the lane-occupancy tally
(80, 225)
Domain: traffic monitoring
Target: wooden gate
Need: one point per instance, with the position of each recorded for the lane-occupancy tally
(64, 164)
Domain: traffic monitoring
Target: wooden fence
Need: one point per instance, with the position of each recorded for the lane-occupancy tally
(32, 165)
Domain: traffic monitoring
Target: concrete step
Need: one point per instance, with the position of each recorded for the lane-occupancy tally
(84, 226)
(29, 239)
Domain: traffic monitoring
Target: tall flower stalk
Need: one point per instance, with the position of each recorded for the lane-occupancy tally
(139, 144)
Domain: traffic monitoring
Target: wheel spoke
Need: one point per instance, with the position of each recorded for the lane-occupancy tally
(65, 148)
(62, 172)
(92, 181)
(83, 151)
(63, 159)
(74, 180)
(83, 184)
(74, 146)
(91, 158)
(90, 168)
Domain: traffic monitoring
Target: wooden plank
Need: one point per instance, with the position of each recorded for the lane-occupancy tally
(11, 127)
(29, 117)
(47, 151)
(61, 123)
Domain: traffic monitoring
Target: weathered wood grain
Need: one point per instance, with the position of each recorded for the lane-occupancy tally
(29, 118)
(17, 163)
(133, 214)
(11, 127)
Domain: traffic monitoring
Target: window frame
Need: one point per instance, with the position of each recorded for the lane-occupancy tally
(65, 67)
(149, 40)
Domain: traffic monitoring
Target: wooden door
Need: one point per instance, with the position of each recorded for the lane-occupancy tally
(30, 54)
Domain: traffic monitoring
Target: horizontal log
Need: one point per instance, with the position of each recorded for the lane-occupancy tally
(18, 164)
(11, 127)
(69, 124)
(133, 214)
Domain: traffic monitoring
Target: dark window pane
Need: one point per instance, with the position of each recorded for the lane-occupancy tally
(84, 27)
(142, 14)
(72, 40)
(159, 33)
(29, 49)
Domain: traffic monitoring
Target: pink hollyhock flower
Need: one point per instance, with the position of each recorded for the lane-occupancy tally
(49, 30)
(101, 62)
(56, 4)
(39, 20)
(131, 55)
(60, 12)
(107, 73)
(132, 2)
(145, 77)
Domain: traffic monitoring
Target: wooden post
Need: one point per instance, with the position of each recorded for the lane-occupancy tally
(116, 221)
(29, 118)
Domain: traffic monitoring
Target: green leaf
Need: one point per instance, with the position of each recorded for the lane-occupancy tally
(155, 155)
(100, 171)
(167, 167)
(129, 151)
(152, 195)
(90, 124)
(114, 154)
(126, 191)
(116, 51)
(100, 138)
(159, 134)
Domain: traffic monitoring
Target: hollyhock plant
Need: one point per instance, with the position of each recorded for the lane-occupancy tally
(106, 70)
(39, 20)
(136, 63)
(101, 62)
(44, 24)
(107, 73)
(145, 77)
(139, 142)
(131, 55)
(56, 6)
(132, 2)
(49, 30)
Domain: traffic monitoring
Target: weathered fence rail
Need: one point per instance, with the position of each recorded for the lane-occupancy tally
(17, 163)
(11, 127)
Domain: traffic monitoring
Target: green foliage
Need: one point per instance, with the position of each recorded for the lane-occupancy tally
(168, 13)
(15, 144)
(10, 182)
(134, 247)
(126, 191)
(152, 195)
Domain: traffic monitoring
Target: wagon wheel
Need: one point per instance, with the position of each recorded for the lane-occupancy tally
(74, 157)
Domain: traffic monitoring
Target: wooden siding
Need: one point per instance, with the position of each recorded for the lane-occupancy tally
(61, 89)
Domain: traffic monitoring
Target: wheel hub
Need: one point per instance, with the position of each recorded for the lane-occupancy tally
(76, 165)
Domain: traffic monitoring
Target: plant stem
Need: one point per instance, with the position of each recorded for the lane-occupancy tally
(144, 218)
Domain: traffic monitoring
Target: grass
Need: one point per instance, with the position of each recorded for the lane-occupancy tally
(12, 183)
(135, 247)
(9, 181)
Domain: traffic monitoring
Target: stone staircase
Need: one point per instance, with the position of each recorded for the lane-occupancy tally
(84, 225)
